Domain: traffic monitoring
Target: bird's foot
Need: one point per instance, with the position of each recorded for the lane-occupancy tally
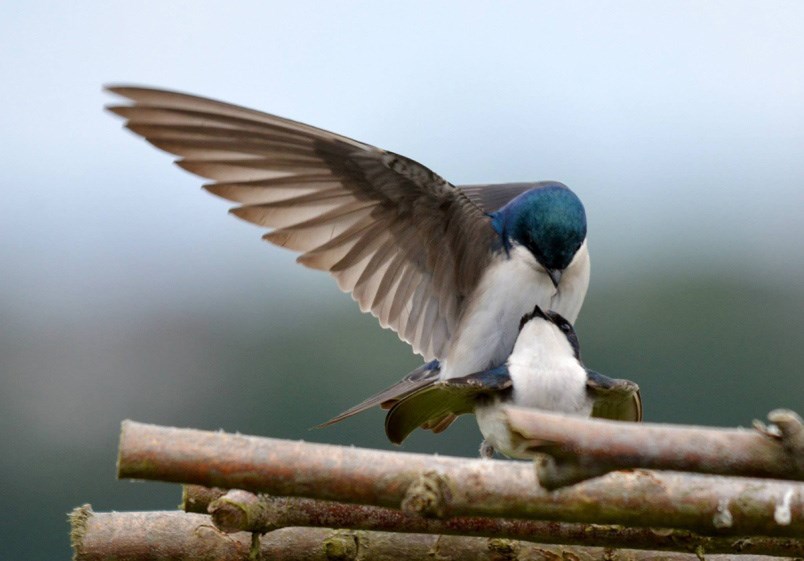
(486, 450)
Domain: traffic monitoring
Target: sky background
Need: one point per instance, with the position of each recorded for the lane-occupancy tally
(127, 292)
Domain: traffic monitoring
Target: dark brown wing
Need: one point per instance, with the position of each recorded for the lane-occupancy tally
(406, 244)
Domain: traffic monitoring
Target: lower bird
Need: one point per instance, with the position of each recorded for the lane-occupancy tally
(543, 371)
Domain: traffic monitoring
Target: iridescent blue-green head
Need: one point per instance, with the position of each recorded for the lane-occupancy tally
(549, 220)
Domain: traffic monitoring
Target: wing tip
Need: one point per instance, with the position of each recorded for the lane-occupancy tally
(115, 89)
(325, 424)
(131, 91)
(219, 190)
(637, 397)
(117, 110)
(365, 405)
(127, 91)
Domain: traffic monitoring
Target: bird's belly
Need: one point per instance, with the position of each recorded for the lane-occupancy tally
(488, 329)
(490, 421)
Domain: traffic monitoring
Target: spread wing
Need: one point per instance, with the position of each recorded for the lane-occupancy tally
(405, 243)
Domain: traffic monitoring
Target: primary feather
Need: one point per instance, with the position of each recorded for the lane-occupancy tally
(404, 242)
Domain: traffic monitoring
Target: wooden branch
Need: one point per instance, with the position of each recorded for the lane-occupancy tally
(578, 449)
(178, 536)
(787, 427)
(238, 510)
(438, 485)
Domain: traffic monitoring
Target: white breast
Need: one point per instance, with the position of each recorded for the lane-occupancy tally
(509, 289)
(545, 372)
(572, 288)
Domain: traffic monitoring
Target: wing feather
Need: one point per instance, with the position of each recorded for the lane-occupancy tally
(307, 237)
(400, 309)
(408, 245)
(376, 270)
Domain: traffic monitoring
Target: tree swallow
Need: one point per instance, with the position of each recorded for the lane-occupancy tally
(544, 371)
(450, 270)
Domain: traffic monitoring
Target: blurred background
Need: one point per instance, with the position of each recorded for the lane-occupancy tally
(126, 292)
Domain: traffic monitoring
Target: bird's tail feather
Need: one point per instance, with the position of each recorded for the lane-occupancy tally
(420, 378)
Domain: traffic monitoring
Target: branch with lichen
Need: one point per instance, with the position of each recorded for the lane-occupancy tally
(575, 449)
(178, 536)
(236, 511)
(439, 486)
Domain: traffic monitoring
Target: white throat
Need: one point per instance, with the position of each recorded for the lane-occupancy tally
(509, 289)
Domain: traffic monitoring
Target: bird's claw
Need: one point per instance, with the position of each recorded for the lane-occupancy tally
(486, 450)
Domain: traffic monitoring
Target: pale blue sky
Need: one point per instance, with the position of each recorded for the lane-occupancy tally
(680, 125)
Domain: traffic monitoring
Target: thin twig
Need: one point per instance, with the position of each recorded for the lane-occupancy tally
(238, 510)
(178, 536)
(708, 505)
(580, 449)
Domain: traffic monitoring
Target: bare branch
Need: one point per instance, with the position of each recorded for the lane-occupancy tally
(178, 536)
(787, 427)
(580, 449)
(243, 511)
(196, 498)
(705, 504)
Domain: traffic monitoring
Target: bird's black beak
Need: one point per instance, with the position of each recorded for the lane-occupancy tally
(555, 276)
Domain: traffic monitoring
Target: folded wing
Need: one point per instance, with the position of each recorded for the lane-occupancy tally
(614, 399)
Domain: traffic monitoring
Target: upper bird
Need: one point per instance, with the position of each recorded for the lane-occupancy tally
(451, 270)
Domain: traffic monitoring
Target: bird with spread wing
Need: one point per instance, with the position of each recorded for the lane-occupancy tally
(450, 269)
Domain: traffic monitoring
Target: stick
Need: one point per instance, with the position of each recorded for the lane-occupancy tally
(442, 486)
(237, 510)
(580, 449)
(177, 536)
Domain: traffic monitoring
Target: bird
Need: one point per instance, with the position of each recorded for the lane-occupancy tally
(544, 371)
(449, 268)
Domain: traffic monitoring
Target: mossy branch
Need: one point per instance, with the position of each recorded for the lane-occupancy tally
(707, 505)
(577, 449)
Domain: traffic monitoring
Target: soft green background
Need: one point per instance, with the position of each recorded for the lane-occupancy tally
(125, 293)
